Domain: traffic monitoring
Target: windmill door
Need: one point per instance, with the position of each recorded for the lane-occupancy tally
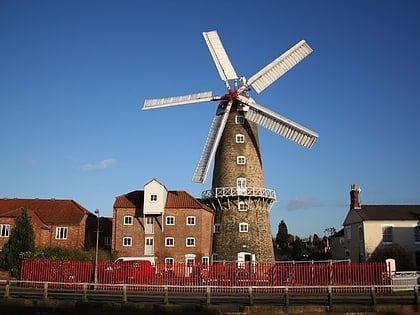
(241, 186)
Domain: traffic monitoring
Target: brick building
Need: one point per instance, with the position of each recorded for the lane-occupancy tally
(57, 223)
(171, 226)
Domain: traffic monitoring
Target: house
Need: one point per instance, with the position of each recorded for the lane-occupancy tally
(368, 227)
(57, 223)
(169, 226)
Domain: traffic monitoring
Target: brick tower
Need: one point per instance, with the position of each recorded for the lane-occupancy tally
(238, 195)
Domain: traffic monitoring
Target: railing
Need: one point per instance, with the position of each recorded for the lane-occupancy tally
(221, 192)
(208, 294)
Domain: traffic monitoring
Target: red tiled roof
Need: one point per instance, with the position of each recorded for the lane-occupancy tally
(49, 211)
(176, 199)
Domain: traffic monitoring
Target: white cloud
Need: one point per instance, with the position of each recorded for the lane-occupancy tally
(101, 165)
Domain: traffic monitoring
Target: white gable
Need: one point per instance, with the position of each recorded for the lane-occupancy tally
(155, 195)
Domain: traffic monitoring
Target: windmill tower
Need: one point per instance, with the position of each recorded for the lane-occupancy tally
(242, 230)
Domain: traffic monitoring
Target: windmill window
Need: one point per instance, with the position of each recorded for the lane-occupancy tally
(191, 220)
(241, 183)
(190, 242)
(61, 233)
(127, 241)
(217, 228)
(241, 160)
(170, 220)
(242, 206)
(239, 119)
(128, 220)
(243, 227)
(153, 197)
(240, 138)
(4, 230)
(169, 242)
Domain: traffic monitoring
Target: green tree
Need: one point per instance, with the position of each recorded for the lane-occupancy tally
(21, 240)
(282, 237)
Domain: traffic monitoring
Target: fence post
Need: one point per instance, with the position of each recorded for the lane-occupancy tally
(329, 296)
(84, 294)
(286, 296)
(46, 291)
(208, 289)
(125, 293)
(251, 296)
(373, 295)
(165, 295)
(7, 290)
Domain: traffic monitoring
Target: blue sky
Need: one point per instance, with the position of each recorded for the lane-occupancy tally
(74, 75)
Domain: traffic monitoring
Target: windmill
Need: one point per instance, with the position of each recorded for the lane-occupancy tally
(238, 196)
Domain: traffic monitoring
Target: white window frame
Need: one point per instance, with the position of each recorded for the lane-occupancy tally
(243, 227)
(241, 160)
(169, 242)
(190, 220)
(169, 263)
(243, 206)
(61, 232)
(386, 228)
(205, 260)
(239, 119)
(190, 242)
(127, 241)
(4, 230)
(241, 184)
(168, 220)
(240, 138)
(128, 220)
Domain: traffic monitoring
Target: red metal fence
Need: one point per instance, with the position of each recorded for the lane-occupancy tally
(307, 276)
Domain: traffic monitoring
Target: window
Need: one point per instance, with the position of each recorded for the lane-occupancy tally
(128, 220)
(169, 263)
(190, 242)
(170, 220)
(127, 241)
(61, 233)
(153, 197)
(242, 206)
(190, 220)
(347, 232)
(169, 242)
(217, 228)
(4, 230)
(107, 241)
(149, 248)
(149, 226)
(387, 234)
(241, 184)
(239, 119)
(243, 227)
(205, 260)
(360, 228)
(240, 138)
(240, 160)
(417, 234)
(214, 257)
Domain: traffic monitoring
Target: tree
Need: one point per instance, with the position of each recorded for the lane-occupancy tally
(21, 240)
(282, 237)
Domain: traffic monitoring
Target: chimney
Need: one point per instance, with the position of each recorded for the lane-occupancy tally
(354, 197)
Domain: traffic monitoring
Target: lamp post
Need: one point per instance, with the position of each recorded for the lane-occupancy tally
(96, 248)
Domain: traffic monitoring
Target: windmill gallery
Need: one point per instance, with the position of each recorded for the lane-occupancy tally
(239, 198)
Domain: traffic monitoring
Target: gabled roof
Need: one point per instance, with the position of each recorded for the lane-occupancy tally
(388, 212)
(176, 200)
(49, 211)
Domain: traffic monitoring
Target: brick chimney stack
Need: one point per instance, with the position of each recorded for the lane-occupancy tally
(354, 197)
